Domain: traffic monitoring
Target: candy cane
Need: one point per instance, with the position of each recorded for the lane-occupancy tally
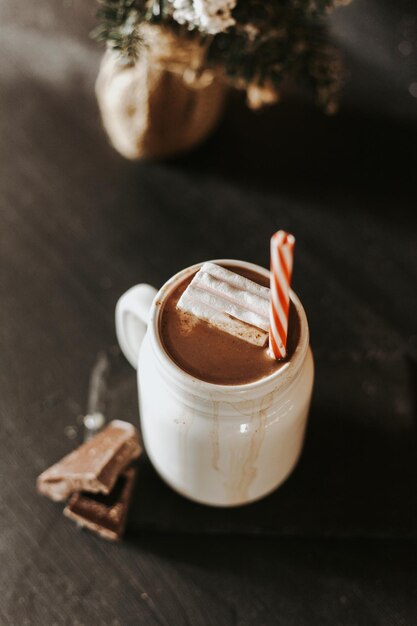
(282, 250)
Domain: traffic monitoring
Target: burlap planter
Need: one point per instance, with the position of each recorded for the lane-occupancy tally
(164, 104)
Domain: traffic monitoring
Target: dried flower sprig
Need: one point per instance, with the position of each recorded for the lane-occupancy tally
(253, 44)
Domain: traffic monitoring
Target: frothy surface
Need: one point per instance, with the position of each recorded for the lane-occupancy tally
(213, 355)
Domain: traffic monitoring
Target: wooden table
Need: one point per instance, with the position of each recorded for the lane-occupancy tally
(79, 225)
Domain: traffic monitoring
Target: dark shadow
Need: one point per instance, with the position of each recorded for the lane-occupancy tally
(352, 481)
(295, 149)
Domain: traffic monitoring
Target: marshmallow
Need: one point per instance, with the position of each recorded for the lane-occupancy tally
(229, 302)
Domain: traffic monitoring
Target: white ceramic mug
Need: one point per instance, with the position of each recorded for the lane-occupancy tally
(221, 445)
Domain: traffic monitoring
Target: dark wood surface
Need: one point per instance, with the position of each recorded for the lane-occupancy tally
(79, 225)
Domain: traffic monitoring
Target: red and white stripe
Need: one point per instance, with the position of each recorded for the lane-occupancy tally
(282, 252)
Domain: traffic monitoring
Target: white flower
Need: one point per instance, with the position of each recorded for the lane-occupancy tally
(209, 16)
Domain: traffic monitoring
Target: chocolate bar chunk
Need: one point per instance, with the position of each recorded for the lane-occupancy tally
(104, 514)
(95, 465)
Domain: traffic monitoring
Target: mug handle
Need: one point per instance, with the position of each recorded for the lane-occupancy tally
(132, 315)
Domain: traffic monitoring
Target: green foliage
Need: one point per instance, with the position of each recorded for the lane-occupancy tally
(271, 40)
(285, 40)
(118, 26)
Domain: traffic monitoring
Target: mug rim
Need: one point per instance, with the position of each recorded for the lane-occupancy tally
(292, 365)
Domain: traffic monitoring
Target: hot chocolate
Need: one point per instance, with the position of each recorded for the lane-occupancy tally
(213, 355)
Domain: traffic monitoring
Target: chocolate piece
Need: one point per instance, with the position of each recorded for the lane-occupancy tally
(104, 514)
(95, 465)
